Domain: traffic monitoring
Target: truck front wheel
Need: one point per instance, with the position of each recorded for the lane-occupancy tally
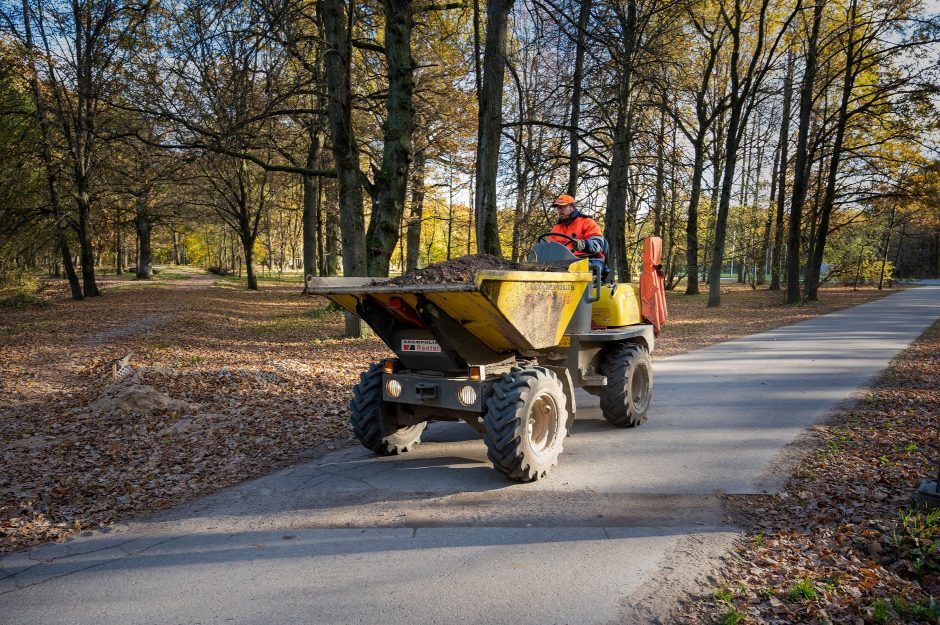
(629, 389)
(373, 427)
(525, 423)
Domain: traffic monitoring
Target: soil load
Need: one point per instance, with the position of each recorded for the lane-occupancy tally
(462, 270)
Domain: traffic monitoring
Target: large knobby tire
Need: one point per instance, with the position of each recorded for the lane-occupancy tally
(626, 397)
(525, 423)
(374, 429)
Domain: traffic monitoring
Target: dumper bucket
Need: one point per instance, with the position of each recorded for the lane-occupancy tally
(500, 312)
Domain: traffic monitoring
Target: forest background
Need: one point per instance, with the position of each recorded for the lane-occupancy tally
(787, 142)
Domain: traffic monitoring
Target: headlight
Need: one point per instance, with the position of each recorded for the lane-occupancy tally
(393, 388)
(467, 395)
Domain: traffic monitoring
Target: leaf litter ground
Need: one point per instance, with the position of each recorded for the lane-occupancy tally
(843, 543)
(222, 385)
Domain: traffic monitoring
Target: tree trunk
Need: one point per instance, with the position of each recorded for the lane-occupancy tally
(887, 245)
(814, 269)
(176, 246)
(69, 266)
(724, 201)
(337, 27)
(413, 247)
(660, 186)
(801, 172)
(338, 31)
(618, 180)
(897, 255)
(574, 138)
(333, 235)
(248, 247)
(691, 229)
(388, 203)
(86, 247)
(490, 121)
(615, 214)
(776, 260)
(118, 246)
(761, 262)
(311, 192)
(143, 226)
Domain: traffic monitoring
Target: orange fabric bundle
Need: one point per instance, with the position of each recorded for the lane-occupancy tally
(652, 287)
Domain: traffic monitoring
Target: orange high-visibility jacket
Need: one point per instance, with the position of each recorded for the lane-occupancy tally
(580, 226)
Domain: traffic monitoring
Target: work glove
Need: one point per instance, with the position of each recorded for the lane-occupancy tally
(577, 245)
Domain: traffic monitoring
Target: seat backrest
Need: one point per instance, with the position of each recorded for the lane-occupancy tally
(605, 272)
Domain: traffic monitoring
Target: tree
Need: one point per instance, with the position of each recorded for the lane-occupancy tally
(83, 46)
(490, 119)
(742, 90)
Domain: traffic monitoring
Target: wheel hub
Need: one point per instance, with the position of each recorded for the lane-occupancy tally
(542, 424)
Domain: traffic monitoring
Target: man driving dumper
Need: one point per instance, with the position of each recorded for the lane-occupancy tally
(586, 238)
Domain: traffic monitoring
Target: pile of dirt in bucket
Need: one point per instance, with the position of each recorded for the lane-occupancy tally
(462, 270)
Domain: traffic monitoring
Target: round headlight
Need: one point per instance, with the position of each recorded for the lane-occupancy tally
(393, 388)
(467, 395)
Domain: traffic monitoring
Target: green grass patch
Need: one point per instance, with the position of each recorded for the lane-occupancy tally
(731, 617)
(917, 539)
(23, 299)
(803, 590)
(725, 595)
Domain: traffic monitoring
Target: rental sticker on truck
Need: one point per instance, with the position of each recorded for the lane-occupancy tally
(420, 345)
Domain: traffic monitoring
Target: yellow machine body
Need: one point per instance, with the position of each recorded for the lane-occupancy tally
(619, 305)
(505, 310)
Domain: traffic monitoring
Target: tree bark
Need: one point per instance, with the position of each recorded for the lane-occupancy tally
(490, 121)
(337, 26)
(660, 185)
(413, 236)
(691, 229)
(338, 32)
(118, 245)
(248, 247)
(143, 227)
(783, 140)
(618, 180)
(311, 191)
(86, 246)
(724, 200)
(333, 235)
(388, 203)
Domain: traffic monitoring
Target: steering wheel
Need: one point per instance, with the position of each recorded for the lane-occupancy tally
(544, 236)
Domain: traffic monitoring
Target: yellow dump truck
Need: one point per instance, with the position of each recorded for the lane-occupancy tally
(504, 354)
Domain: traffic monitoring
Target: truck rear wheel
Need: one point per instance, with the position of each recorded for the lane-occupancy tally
(373, 427)
(525, 423)
(629, 389)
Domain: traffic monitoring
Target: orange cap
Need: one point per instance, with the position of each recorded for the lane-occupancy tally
(563, 200)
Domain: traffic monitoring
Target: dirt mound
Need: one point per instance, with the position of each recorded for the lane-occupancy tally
(136, 398)
(462, 270)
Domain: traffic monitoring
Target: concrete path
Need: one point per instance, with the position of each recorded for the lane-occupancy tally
(437, 536)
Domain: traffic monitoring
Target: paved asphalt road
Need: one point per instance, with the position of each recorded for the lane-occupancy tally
(437, 536)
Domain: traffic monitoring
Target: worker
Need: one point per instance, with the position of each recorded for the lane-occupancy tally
(588, 240)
